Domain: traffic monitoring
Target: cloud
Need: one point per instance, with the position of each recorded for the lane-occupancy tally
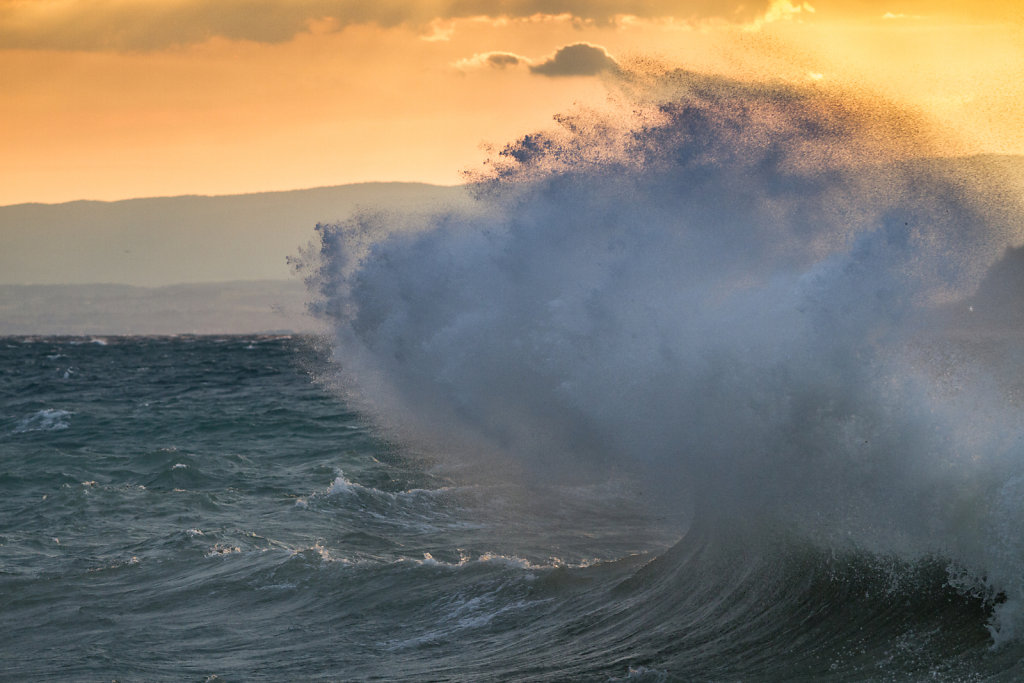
(492, 60)
(157, 24)
(140, 25)
(579, 59)
(503, 59)
(780, 10)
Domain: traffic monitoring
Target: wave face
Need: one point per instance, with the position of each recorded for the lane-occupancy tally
(775, 308)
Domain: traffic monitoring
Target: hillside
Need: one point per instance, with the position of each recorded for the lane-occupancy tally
(170, 240)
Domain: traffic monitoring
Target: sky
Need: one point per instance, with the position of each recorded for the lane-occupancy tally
(114, 99)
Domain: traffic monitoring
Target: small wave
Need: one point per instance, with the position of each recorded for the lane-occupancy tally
(342, 486)
(497, 559)
(425, 510)
(47, 420)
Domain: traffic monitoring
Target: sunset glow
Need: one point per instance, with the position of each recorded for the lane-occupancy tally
(109, 100)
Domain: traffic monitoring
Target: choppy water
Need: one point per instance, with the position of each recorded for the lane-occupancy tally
(182, 508)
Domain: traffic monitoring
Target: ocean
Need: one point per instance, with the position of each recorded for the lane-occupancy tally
(723, 384)
(203, 508)
(199, 508)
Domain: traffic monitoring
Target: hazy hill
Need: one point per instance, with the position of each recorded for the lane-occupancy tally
(177, 264)
(172, 240)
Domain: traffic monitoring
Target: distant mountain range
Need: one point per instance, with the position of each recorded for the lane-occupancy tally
(177, 264)
(172, 240)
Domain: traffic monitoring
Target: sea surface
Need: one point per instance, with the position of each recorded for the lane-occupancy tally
(206, 508)
(188, 507)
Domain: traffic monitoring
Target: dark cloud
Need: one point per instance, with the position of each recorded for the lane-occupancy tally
(155, 24)
(579, 59)
(501, 60)
(492, 60)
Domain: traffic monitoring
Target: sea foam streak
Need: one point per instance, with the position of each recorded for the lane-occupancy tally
(756, 299)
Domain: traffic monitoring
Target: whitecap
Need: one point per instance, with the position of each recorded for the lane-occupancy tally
(46, 420)
(341, 486)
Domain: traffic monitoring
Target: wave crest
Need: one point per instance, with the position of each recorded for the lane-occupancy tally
(751, 297)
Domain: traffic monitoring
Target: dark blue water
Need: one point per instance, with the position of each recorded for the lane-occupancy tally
(204, 509)
(185, 507)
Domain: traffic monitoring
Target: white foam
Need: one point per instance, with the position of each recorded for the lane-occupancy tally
(322, 553)
(46, 420)
(501, 560)
(342, 486)
(741, 296)
(278, 587)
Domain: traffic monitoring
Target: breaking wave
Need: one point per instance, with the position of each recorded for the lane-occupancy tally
(778, 308)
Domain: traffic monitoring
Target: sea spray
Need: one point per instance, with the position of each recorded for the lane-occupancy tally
(755, 299)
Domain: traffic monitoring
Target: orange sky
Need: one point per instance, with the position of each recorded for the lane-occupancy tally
(110, 99)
